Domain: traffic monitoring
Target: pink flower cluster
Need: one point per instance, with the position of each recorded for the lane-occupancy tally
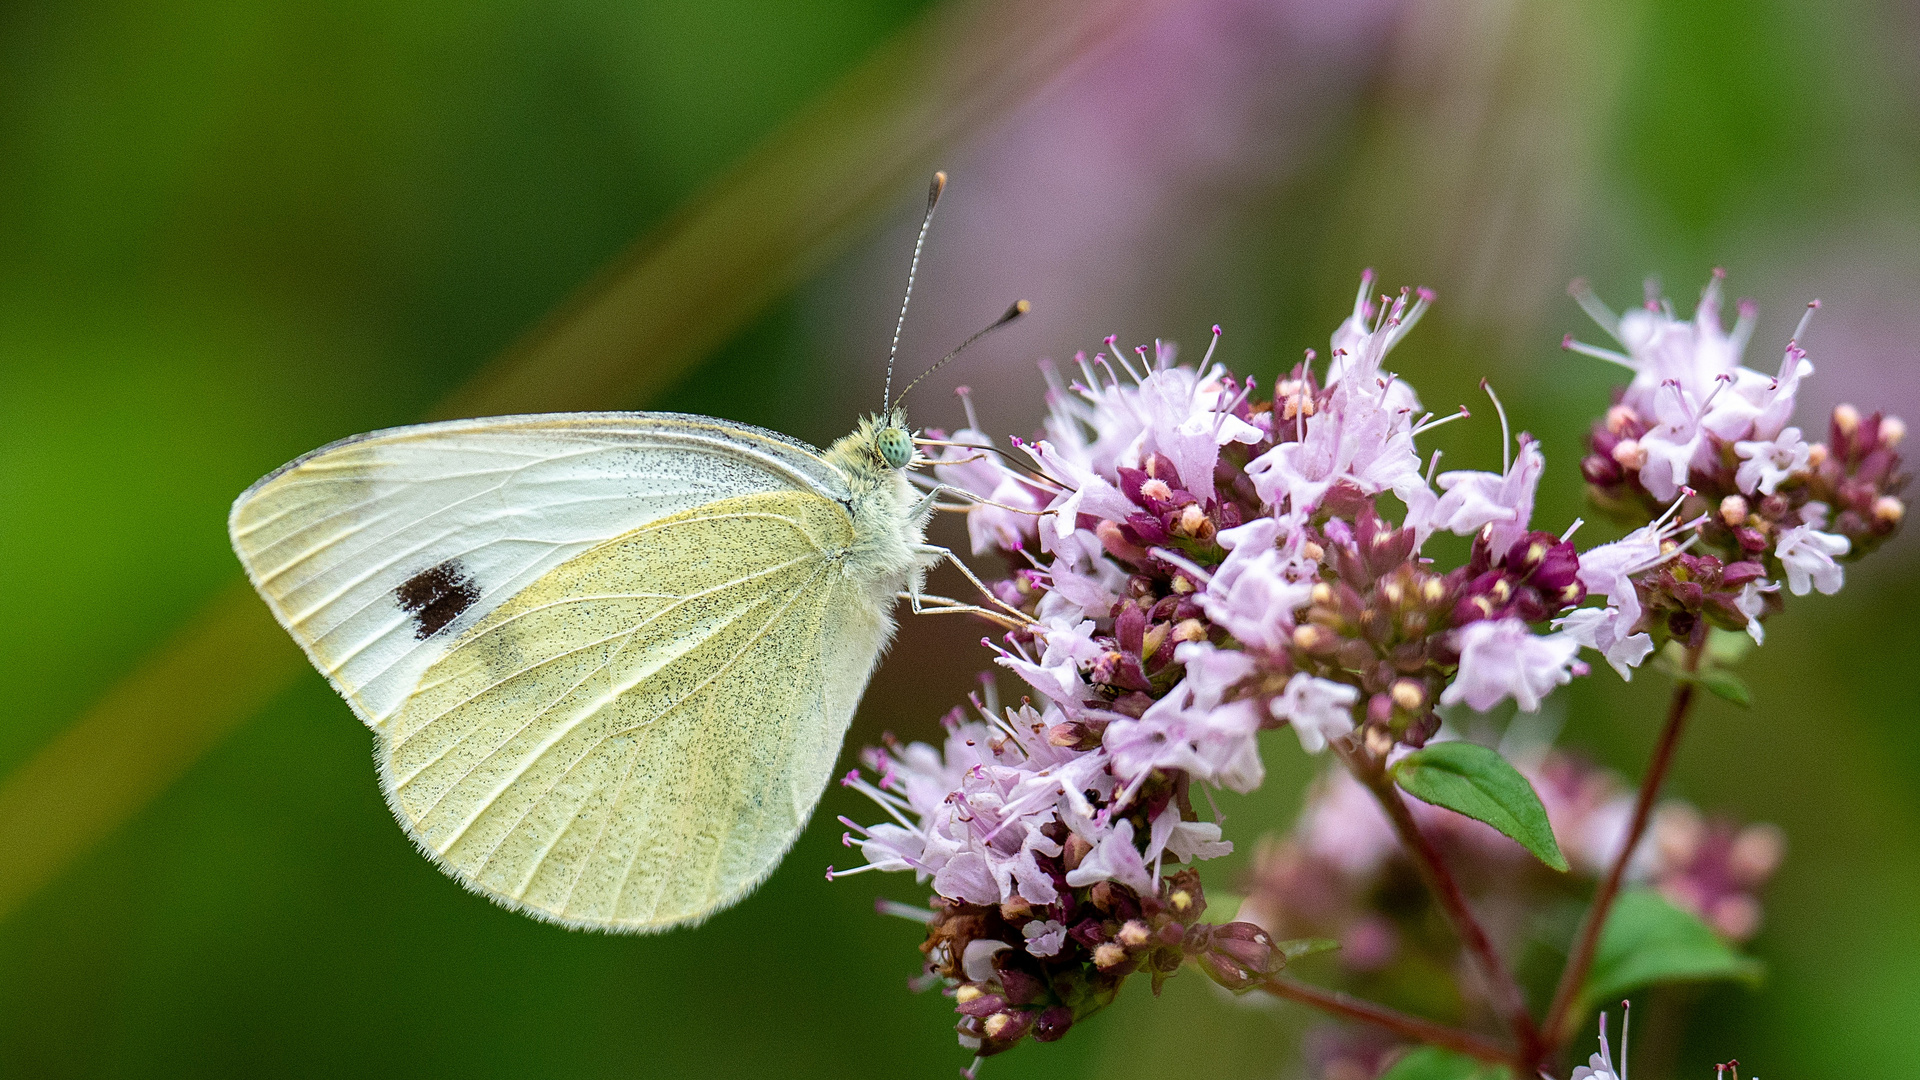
(1197, 562)
(1696, 429)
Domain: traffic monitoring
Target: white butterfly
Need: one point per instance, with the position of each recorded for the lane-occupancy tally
(608, 658)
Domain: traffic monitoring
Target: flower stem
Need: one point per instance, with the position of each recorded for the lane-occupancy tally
(1587, 942)
(1413, 1028)
(1505, 989)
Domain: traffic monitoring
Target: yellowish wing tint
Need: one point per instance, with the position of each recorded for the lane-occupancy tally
(634, 740)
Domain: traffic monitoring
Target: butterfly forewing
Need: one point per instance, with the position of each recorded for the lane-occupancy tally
(378, 551)
(636, 739)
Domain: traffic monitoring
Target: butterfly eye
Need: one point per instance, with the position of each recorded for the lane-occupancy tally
(895, 447)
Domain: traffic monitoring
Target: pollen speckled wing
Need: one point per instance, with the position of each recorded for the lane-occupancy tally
(376, 551)
(609, 658)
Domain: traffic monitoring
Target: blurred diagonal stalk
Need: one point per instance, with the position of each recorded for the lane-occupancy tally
(683, 290)
(784, 212)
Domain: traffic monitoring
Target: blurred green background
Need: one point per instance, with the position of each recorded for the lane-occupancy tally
(231, 232)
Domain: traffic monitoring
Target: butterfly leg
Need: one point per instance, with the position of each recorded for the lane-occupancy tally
(936, 554)
(927, 503)
(924, 604)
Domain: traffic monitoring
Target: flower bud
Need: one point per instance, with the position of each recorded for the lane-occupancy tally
(1315, 640)
(1190, 520)
(1379, 709)
(1733, 510)
(1238, 955)
(1190, 630)
(1409, 694)
(1600, 470)
(1736, 917)
(1630, 454)
(1108, 955)
(1077, 849)
(1892, 430)
(1053, 1023)
(1888, 510)
(1379, 741)
(1846, 419)
(1117, 544)
(1007, 1027)
(1816, 455)
(1156, 489)
(1756, 853)
(1151, 641)
(1620, 418)
(1133, 934)
(1678, 832)
(979, 1004)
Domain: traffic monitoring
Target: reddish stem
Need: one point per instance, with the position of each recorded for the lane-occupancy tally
(1411, 1028)
(1504, 987)
(1587, 942)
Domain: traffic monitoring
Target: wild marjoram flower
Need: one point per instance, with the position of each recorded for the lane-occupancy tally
(1202, 563)
(1600, 1066)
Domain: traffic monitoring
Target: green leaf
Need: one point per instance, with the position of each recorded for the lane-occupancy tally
(1723, 683)
(1433, 1063)
(1299, 947)
(1647, 940)
(1470, 779)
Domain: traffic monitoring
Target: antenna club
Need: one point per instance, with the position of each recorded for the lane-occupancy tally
(1567, 342)
(938, 185)
(1216, 329)
(1020, 307)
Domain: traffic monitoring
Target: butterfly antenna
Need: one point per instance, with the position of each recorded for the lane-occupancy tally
(1019, 308)
(934, 189)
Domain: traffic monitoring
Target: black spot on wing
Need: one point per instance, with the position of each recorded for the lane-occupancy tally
(436, 596)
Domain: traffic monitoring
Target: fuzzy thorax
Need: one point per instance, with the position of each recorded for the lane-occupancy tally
(886, 526)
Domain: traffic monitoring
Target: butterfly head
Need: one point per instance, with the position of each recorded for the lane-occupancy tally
(894, 444)
(881, 447)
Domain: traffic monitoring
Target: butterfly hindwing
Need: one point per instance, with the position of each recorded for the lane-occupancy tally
(636, 739)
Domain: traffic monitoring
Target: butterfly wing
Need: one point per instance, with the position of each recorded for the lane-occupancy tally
(378, 551)
(635, 740)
